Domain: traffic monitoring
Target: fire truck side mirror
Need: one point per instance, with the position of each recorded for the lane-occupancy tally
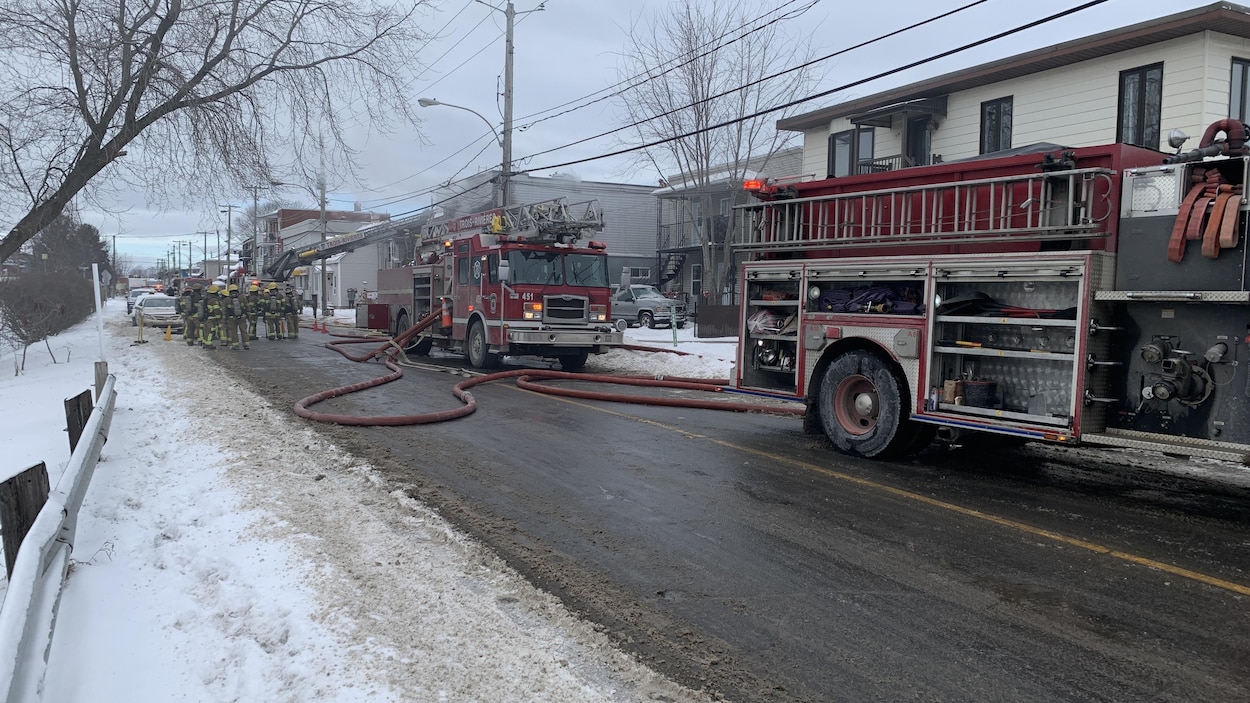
(505, 273)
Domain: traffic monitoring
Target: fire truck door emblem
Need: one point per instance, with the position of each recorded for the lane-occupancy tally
(494, 303)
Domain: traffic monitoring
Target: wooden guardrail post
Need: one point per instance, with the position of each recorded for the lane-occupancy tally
(77, 410)
(21, 499)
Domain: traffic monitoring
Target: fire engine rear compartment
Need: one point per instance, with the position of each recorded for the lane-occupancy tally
(1117, 344)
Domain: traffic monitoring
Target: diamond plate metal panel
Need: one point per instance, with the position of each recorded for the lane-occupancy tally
(1151, 192)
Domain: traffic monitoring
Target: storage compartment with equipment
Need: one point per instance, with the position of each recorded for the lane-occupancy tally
(769, 348)
(1005, 341)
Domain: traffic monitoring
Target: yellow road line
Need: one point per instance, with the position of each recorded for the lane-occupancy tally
(943, 505)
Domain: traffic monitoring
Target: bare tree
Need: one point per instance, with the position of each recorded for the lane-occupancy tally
(196, 93)
(702, 63)
(40, 305)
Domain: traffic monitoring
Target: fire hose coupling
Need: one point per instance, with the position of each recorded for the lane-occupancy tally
(1182, 381)
(1216, 353)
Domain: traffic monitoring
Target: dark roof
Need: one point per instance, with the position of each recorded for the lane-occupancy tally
(1223, 17)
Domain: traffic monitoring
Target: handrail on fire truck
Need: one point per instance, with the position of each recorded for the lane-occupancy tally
(1051, 205)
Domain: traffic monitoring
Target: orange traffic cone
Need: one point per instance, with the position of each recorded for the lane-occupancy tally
(169, 332)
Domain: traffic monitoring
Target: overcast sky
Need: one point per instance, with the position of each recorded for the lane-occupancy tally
(570, 50)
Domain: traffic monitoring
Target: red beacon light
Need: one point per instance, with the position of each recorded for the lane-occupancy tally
(753, 184)
(596, 245)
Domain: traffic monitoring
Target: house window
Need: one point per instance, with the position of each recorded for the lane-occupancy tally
(724, 207)
(1239, 94)
(996, 125)
(850, 151)
(696, 280)
(1141, 101)
(639, 274)
(696, 210)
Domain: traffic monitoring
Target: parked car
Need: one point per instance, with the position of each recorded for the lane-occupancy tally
(645, 306)
(157, 310)
(135, 294)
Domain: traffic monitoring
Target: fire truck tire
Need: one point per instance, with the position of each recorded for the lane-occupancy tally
(420, 346)
(480, 356)
(862, 401)
(573, 363)
(646, 319)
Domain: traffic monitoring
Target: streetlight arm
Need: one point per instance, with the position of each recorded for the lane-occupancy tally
(430, 102)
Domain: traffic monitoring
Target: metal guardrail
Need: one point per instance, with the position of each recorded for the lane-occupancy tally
(28, 615)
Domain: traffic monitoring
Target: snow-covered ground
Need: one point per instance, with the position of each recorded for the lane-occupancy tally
(235, 555)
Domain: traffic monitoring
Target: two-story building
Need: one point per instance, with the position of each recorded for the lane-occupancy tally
(697, 211)
(346, 273)
(1132, 85)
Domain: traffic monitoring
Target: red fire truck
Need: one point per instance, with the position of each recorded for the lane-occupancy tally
(508, 281)
(1094, 295)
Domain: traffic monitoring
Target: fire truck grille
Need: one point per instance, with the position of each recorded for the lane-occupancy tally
(565, 308)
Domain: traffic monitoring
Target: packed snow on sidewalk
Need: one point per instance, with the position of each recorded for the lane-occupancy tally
(226, 551)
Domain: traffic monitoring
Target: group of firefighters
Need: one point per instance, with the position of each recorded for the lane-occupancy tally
(222, 315)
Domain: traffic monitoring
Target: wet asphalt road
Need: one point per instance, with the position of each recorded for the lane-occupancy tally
(739, 556)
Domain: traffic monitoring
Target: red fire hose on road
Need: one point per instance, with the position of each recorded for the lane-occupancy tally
(526, 379)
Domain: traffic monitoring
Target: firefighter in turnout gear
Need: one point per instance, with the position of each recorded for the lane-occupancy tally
(253, 311)
(236, 320)
(292, 313)
(273, 311)
(210, 318)
(188, 307)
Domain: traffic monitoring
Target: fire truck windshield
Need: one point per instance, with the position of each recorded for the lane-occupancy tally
(554, 268)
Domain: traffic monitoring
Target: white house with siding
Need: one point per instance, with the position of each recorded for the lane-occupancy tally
(1131, 85)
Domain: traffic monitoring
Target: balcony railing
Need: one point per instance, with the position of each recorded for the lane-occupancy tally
(884, 163)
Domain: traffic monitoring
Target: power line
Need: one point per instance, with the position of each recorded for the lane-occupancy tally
(647, 77)
(731, 91)
(809, 98)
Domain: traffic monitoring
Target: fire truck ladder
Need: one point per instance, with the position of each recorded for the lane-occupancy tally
(553, 219)
(1054, 205)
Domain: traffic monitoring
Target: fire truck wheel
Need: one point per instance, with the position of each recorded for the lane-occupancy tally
(574, 363)
(646, 319)
(862, 407)
(480, 356)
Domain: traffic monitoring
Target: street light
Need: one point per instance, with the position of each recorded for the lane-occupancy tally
(431, 102)
(505, 142)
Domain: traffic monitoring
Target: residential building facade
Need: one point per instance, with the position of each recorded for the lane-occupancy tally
(689, 213)
(1130, 85)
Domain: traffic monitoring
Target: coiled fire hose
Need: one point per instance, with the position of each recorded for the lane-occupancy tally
(390, 348)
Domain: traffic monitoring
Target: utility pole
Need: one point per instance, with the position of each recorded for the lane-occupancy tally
(204, 263)
(506, 176)
(325, 293)
(510, 14)
(229, 212)
(256, 260)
